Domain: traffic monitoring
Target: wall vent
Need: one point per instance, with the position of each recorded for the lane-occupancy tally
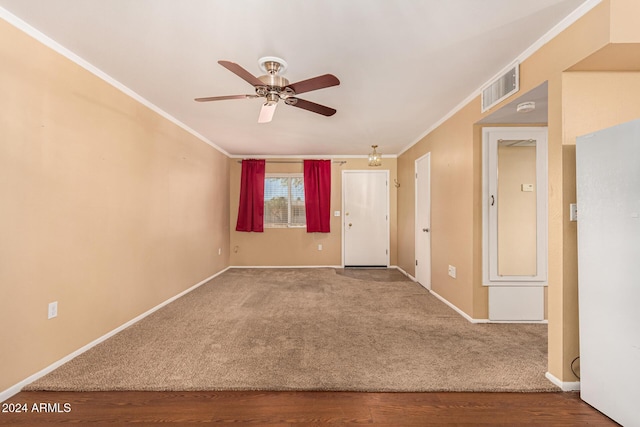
(505, 85)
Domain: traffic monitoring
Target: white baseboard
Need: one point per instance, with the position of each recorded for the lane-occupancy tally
(6, 394)
(404, 272)
(473, 320)
(314, 266)
(565, 386)
(285, 266)
(444, 300)
(456, 309)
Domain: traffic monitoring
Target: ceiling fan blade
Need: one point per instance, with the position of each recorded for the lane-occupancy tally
(266, 113)
(220, 98)
(312, 106)
(320, 82)
(242, 73)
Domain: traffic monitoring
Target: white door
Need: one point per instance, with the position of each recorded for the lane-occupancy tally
(366, 218)
(423, 220)
(608, 196)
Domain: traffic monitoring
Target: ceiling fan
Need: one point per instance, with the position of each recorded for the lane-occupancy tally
(273, 87)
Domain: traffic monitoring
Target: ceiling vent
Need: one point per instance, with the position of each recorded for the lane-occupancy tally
(505, 85)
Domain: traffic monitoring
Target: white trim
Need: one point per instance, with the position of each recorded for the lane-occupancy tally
(404, 272)
(531, 322)
(559, 27)
(6, 394)
(286, 266)
(565, 386)
(416, 228)
(308, 156)
(456, 309)
(551, 34)
(472, 320)
(339, 267)
(490, 140)
(57, 47)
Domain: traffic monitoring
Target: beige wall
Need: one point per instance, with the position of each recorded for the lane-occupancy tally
(624, 23)
(294, 246)
(591, 101)
(110, 209)
(105, 207)
(456, 168)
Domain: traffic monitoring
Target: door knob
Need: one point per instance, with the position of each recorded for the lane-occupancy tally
(350, 224)
(426, 230)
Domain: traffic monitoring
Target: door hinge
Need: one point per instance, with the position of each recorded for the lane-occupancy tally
(386, 251)
(416, 262)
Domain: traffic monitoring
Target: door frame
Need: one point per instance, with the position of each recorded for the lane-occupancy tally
(416, 225)
(343, 222)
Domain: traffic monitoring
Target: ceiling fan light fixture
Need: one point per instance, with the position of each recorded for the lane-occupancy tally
(375, 158)
(272, 99)
(266, 113)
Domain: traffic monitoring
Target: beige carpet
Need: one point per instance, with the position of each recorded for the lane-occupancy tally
(310, 329)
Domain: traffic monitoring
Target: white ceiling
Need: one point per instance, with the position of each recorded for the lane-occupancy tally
(403, 65)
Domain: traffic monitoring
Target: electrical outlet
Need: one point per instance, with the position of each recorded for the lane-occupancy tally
(53, 310)
(320, 247)
(452, 271)
(219, 251)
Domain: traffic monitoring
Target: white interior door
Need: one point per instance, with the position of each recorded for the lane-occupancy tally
(423, 220)
(366, 218)
(608, 196)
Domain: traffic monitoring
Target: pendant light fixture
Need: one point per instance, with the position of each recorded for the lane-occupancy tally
(375, 158)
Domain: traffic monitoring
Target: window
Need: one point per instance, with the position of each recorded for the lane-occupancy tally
(284, 201)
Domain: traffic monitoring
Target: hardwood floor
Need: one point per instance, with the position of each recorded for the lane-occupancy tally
(300, 409)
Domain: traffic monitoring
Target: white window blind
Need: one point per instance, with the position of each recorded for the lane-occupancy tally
(284, 201)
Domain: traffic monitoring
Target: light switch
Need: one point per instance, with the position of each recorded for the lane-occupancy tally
(336, 213)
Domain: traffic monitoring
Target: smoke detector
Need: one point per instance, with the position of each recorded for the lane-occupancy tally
(525, 107)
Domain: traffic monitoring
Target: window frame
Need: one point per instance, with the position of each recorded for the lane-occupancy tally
(288, 176)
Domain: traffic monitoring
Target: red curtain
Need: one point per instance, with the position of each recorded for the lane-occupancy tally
(251, 209)
(317, 195)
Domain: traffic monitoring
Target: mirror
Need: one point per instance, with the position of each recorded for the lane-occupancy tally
(517, 207)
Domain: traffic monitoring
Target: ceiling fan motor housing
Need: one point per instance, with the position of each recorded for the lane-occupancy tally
(275, 85)
(274, 89)
(274, 80)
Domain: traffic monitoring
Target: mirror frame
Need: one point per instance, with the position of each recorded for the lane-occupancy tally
(490, 138)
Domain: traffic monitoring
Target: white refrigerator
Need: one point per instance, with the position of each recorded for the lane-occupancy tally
(608, 212)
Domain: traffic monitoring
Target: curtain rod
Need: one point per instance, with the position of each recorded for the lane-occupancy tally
(342, 162)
